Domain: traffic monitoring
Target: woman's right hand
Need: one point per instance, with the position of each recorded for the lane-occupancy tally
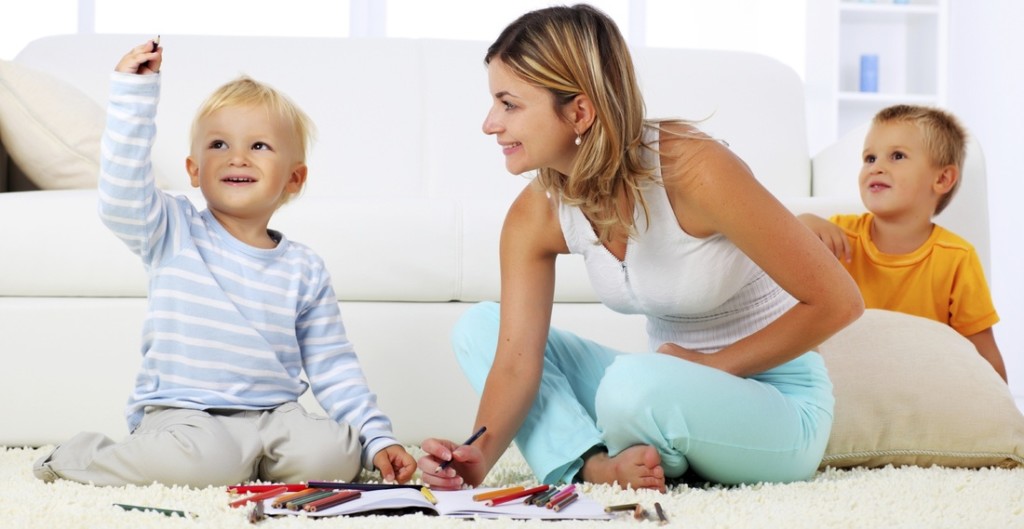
(467, 465)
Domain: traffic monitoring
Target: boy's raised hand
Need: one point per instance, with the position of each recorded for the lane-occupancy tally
(833, 236)
(394, 464)
(144, 59)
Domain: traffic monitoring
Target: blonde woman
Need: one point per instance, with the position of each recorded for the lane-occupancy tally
(730, 388)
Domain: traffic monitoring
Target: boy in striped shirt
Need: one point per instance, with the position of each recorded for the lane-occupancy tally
(237, 312)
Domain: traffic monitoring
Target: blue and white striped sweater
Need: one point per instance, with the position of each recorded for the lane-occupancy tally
(228, 325)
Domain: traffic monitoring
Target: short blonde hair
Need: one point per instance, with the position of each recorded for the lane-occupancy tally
(579, 50)
(246, 91)
(944, 138)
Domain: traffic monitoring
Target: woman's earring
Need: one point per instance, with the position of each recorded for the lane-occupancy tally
(579, 140)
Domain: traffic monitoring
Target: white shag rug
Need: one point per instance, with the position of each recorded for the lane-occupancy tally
(909, 497)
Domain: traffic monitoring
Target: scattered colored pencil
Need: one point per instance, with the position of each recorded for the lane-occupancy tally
(484, 496)
(359, 486)
(541, 500)
(280, 501)
(299, 503)
(259, 496)
(562, 494)
(565, 502)
(662, 519)
(165, 512)
(516, 495)
(335, 498)
(249, 489)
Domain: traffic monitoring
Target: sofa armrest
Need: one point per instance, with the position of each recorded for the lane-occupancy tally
(4, 161)
(12, 178)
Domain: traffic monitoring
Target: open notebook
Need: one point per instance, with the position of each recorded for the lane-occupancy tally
(458, 504)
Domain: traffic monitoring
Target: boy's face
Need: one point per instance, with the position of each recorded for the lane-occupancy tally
(898, 179)
(246, 160)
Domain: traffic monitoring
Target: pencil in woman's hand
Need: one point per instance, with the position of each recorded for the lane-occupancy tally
(474, 437)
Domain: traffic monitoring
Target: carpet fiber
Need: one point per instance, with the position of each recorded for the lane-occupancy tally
(883, 498)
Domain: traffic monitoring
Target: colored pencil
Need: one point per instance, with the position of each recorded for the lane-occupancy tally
(249, 489)
(298, 503)
(165, 512)
(545, 496)
(484, 496)
(359, 486)
(516, 495)
(562, 494)
(532, 498)
(281, 500)
(565, 502)
(428, 495)
(623, 507)
(472, 438)
(335, 498)
(662, 519)
(259, 497)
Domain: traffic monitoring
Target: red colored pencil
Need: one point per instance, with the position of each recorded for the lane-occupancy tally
(516, 495)
(249, 489)
(259, 497)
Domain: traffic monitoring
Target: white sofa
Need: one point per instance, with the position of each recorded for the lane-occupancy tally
(405, 201)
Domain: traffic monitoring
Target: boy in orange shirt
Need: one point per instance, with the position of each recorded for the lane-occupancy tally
(912, 160)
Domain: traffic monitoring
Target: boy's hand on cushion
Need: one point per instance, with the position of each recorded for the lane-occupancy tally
(833, 236)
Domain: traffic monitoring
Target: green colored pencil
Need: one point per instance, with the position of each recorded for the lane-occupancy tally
(165, 512)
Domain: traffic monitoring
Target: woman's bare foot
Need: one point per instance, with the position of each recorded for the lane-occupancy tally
(637, 466)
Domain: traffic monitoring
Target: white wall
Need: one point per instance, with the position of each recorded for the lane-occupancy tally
(986, 89)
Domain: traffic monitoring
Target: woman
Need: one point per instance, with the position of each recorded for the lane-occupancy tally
(662, 215)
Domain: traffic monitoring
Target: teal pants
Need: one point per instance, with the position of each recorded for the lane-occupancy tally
(771, 427)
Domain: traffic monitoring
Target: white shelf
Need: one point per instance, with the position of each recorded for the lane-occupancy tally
(887, 98)
(910, 40)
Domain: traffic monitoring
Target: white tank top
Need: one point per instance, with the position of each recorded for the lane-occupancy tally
(700, 293)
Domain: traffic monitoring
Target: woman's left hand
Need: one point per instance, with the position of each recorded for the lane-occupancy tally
(677, 351)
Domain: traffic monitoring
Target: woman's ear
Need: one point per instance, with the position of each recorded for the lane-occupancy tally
(581, 113)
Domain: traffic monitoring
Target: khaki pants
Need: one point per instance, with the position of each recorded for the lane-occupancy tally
(177, 446)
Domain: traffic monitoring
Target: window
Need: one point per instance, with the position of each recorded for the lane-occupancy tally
(775, 28)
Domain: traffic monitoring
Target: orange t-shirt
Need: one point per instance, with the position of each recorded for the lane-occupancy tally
(942, 280)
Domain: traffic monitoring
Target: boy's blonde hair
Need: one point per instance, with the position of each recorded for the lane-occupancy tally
(944, 138)
(579, 50)
(246, 91)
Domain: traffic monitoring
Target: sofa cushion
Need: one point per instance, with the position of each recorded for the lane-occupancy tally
(50, 129)
(912, 391)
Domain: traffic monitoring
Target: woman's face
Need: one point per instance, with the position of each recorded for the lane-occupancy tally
(531, 133)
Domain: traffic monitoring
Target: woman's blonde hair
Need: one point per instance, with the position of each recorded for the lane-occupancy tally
(246, 91)
(579, 50)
